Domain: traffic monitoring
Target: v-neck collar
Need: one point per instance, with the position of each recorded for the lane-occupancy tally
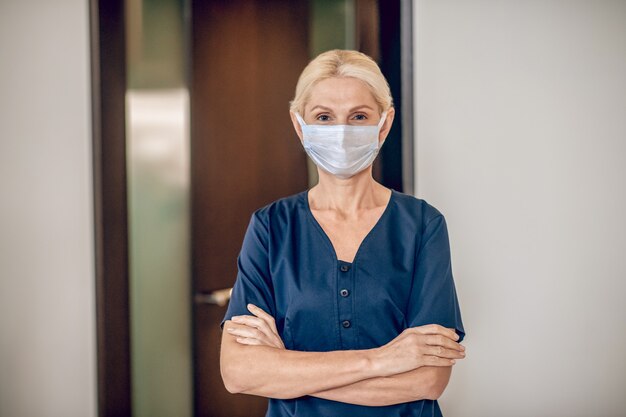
(318, 226)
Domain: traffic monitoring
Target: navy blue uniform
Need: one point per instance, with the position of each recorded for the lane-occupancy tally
(401, 277)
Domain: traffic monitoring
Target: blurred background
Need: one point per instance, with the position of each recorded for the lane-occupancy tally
(138, 136)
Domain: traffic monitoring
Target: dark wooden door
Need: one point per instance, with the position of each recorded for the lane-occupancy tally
(246, 57)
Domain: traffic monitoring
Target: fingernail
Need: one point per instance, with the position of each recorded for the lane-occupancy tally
(251, 306)
(229, 329)
(453, 361)
(236, 318)
(462, 347)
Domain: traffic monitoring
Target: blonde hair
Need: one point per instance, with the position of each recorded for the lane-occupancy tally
(342, 63)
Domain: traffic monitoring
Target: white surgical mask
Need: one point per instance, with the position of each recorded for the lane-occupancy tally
(342, 150)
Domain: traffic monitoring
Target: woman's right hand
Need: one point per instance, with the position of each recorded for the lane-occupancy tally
(429, 345)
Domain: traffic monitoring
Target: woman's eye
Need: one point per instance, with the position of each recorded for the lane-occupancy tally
(360, 117)
(323, 118)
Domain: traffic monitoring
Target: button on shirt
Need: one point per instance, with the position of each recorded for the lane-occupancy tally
(400, 277)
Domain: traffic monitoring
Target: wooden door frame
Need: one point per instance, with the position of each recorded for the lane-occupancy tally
(108, 89)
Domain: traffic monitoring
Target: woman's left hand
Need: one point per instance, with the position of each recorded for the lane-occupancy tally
(259, 329)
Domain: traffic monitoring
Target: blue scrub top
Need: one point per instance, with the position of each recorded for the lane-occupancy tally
(400, 277)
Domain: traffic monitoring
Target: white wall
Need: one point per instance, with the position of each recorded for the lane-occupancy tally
(47, 317)
(521, 143)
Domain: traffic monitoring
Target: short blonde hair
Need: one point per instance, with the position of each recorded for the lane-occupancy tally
(342, 63)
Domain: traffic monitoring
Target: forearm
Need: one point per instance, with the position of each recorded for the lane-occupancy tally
(426, 382)
(280, 373)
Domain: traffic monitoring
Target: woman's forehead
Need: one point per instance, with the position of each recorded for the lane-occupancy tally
(340, 92)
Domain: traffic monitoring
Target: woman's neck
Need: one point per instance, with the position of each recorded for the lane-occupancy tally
(348, 196)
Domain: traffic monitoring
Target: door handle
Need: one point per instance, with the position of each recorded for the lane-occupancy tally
(217, 297)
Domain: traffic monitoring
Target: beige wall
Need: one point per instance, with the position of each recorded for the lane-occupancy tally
(47, 325)
(521, 143)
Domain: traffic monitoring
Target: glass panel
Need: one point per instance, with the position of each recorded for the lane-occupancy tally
(158, 181)
(332, 25)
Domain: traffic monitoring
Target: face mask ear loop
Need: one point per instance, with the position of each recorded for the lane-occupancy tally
(300, 119)
(383, 117)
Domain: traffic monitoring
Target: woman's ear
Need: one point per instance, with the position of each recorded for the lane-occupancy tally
(296, 124)
(386, 127)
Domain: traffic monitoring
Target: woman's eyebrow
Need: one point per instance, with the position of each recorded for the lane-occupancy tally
(362, 106)
(319, 106)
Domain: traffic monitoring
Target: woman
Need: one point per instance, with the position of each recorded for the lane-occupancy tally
(344, 303)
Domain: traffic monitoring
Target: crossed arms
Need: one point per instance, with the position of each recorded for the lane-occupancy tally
(415, 365)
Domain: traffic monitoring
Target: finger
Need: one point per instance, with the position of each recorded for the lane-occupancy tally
(248, 341)
(247, 332)
(242, 331)
(261, 326)
(442, 352)
(266, 337)
(255, 322)
(439, 340)
(265, 323)
(259, 312)
(437, 361)
(251, 321)
(437, 329)
(269, 321)
(250, 334)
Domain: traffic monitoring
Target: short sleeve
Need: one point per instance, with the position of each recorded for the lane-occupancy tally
(433, 297)
(253, 282)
